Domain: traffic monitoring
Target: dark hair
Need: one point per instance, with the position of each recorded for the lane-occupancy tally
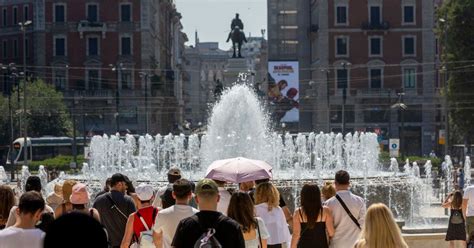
(266, 180)
(31, 202)
(456, 202)
(241, 209)
(311, 204)
(342, 177)
(182, 188)
(117, 178)
(219, 182)
(130, 187)
(33, 183)
(7, 199)
(78, 206)
(173, 178)
(107, 184)
(65, 228)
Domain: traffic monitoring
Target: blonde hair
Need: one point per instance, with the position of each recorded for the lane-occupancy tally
(67, 190)
(380, 229)
(328, 190)
(267, 193)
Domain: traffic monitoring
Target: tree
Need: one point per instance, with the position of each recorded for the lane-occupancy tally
(456, 32)
(47, 113)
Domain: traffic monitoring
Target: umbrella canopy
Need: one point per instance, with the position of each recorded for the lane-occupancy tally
(239, 170)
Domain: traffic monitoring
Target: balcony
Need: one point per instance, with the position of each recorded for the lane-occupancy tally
(88, 26)
(375, 26)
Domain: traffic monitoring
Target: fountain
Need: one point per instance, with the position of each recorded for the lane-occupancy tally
(3, 176)
(467, 171)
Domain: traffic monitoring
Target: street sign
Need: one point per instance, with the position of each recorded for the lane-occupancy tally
(394, 147)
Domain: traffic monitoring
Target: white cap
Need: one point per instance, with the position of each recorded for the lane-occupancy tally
(144, 192)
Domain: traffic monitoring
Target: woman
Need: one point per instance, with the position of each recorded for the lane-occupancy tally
(131, 192)
(312, 223)
(80, 198)
(457, 227)
(380, 229)
(135, 225)
(7, 201)
(66, 206)
(241, 209)
(267, 200)
(328, 191)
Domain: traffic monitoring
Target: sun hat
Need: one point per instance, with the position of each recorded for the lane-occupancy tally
(79, 194)
(67, 189)
(144, 192)
(207, 186)
(58, 190)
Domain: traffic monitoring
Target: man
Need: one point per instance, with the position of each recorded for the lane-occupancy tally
(24, 233)
(163, 198)
(236, 22)
(105, 189)
(189, 230)
(168, 219)
(225, 196)
(347, 229)
(468, 204)
(114, 208)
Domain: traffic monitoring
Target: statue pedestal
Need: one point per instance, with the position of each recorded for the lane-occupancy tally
(234, 67)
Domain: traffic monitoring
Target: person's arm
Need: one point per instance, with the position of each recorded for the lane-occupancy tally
(127, 236)
(11, 217)
(96, 214)
(447, 201)
(58, 212)
(329, 222)
(288, 216)
(464, 207)
(296, 230)
(158, 239)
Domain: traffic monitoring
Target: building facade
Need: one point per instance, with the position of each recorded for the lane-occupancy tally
(117, 62)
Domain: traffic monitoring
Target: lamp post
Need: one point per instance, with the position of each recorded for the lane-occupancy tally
(145, 76)
(12, 75)
(446, 103)
(327, 71)
(344, 95)
(401, 108)
(118, 67)
(23, 26)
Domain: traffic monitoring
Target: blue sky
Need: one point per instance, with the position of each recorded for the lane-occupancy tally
(212, 18)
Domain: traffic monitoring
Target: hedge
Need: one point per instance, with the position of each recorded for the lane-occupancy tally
(61, 163)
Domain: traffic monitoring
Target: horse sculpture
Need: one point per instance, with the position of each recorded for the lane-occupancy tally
(238, 37)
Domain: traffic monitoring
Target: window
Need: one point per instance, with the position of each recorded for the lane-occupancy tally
(375, 78)
(93, 80)
(126, 79)
(342, 46)
(60, 46)
(15, 48)
(342, 78)
(126, 12)
(60, 79)
(26, 13)
(409, 46)
(376, 114)
(408, 14)
(15, 15)
(341, 15)
(59, 13)
(336, 114)
(92, 12)
(125, 46)
(409, 78)
(375, 46)
(5, 17)
(375, 15)
(92, 46)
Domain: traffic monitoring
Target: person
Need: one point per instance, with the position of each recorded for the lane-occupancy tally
(246, 187)
(432, 154)
(468, 208)
(380, 229)
(75, 230)
(237, 22)
(266, 200)
(23, 233)
(224, 200)
(327, 191)
(461, 179)
(33, 183)
(80, 198)
(189, 230)
(281, 202)
(348, 222)
(114, 208)
(131, 192)
(168, 219)
(147, 212)
(163, 197)
(7, 201)
(312, 223)
(242, 210)
(456, 232)
(66, 206)
(55, 198)
(105, 189)
(274, 92)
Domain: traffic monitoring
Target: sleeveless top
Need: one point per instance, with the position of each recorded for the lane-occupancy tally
(313, 237)
(147, 214)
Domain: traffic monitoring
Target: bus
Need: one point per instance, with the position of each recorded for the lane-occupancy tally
(43, 148)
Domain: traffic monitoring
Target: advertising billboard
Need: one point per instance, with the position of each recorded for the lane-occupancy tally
(283, 90)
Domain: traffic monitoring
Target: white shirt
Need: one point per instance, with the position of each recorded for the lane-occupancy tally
(346, 232)
(12, 215)
(275, 223)
(224, 200)
(19, 238)
(469, 196)
(255, 243)
(168, 219)
(157, 202)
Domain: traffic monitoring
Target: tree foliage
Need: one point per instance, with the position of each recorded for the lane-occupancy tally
(46, 111)
(456, 33)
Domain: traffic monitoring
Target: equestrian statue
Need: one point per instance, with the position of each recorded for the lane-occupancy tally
(237, 35)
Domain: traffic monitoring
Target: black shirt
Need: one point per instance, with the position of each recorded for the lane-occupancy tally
(228, 231)
(113, 221)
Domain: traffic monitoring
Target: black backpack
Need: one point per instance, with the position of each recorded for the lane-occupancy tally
(207, 239)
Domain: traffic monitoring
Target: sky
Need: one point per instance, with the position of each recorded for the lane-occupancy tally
(212, 18)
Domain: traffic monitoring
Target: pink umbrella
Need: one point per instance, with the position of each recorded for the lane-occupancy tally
(239, 170)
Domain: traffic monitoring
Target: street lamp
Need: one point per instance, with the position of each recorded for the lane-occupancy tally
(401, 108)
(446, 103)
(344, 95)
(145, 76)
(23, 26)
(327, 71)
(118, 67)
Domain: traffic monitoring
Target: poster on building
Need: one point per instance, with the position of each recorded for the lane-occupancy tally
(283, 90)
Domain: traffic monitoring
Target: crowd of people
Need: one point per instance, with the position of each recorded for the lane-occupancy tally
(205, 214)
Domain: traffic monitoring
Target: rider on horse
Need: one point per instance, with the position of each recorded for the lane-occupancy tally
(237, 34)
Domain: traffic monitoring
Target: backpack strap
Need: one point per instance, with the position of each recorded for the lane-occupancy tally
(114, 205)
(142, 220)
(348, 211)
(259, 235)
